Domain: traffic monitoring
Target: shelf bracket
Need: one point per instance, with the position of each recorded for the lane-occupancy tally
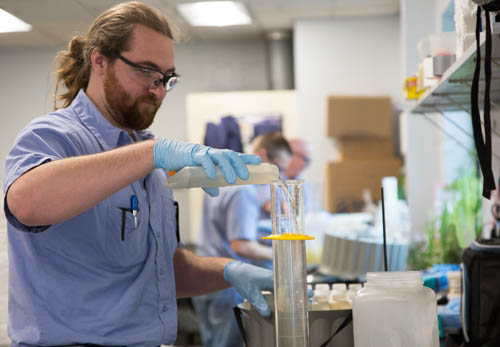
(451, 100)
(447, 133)
(458, 126)
(469, 84)
(468, 80)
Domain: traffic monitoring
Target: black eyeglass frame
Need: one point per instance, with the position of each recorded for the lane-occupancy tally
(165, 78)
(304, 158)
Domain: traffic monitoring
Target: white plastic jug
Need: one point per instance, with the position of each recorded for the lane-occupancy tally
(394, 309)
(195, 177)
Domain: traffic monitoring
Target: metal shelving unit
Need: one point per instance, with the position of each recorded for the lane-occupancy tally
(452, 93)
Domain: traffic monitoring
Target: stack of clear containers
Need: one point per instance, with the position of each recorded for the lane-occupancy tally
(289, 261)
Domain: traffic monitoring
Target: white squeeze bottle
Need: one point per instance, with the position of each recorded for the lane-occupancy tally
(196, 177)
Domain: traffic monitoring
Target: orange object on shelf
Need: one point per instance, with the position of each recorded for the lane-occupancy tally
(410, 87)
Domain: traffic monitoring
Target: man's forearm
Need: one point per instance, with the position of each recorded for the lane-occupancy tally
(59, 190)
(252, 250)
(195, 275)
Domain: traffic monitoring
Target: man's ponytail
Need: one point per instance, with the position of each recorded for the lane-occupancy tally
(73, 71)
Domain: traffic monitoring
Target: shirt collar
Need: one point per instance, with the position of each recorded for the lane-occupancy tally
(108, 135)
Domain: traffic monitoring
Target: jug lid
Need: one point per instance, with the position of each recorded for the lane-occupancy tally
(394, 278)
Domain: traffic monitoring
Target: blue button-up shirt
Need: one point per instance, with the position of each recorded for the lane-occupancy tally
(78, 281)
(233, 215)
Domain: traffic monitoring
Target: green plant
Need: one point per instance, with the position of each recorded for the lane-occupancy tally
(466, 215)
(457, 226)
(422, 254)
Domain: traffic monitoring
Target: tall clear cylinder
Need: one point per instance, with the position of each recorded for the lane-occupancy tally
(289, 261)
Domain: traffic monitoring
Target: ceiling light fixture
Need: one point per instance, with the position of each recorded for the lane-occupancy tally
(215, 13)
(10, 23)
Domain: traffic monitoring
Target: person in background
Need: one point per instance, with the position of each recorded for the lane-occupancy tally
(229, 228)
(94, 253)
(301, 158)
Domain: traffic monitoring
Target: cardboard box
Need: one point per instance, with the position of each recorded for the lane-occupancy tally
(350, 116)
(346, 180)
(366, 148)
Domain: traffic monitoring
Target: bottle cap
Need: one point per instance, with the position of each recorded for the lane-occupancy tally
(355, 286)
(323, 287)
(339, 287)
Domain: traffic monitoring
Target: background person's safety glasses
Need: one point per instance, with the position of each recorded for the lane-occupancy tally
(150, 77)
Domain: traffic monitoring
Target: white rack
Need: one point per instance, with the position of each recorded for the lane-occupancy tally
(452, 93)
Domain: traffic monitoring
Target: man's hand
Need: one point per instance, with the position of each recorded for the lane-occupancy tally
(174, 155)
(249, 281)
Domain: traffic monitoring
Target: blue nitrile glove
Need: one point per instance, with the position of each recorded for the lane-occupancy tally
(174, 155)
(249, 281)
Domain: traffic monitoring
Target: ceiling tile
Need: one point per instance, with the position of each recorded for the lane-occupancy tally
(56, 21)
(28, 39)
(37, 11)
(243, 32)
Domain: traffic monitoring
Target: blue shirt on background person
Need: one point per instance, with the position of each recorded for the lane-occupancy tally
(233, 215)
(128, 285)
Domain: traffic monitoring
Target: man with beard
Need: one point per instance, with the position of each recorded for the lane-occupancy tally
(94, 257)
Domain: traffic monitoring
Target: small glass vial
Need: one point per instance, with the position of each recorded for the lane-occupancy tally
(353, 290)
(321, 296)
(395, 309)
(338, 297)
(454, 284)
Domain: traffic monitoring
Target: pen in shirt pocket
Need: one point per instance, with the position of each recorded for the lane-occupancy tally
(133, 207)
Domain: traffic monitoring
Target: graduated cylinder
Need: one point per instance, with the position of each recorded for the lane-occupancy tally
(289, 261)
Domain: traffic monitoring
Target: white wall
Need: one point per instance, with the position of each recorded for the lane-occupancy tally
(26, 90)
(418, 19)
(423, 158)
(345, 56)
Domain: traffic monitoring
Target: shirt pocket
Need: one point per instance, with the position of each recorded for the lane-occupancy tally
(170, 223)
(126, 244)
